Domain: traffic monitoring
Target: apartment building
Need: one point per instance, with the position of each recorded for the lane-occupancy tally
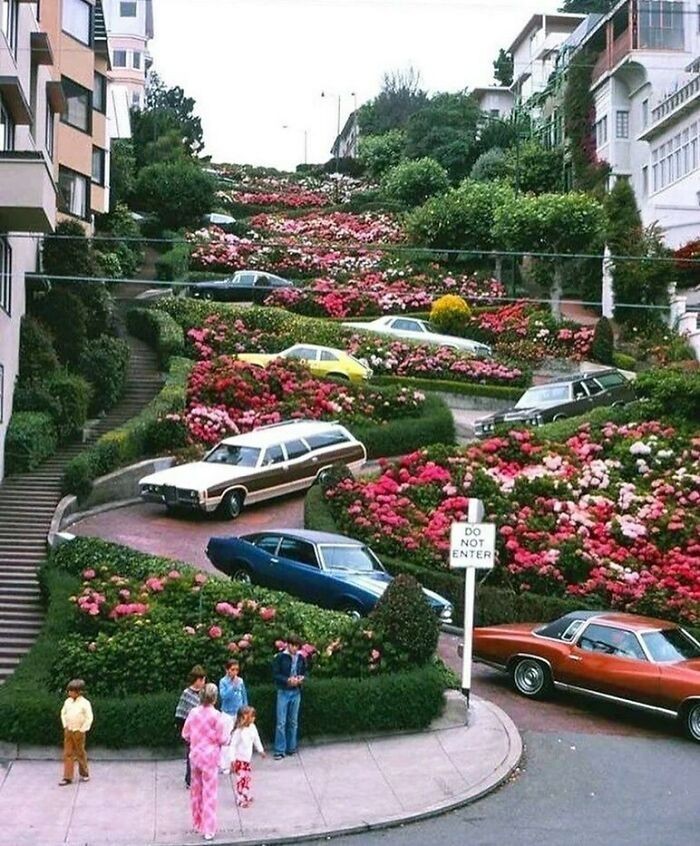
(646, 88)
(54, 146)
(129, 28)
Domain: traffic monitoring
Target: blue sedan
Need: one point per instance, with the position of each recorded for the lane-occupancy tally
(329, 570)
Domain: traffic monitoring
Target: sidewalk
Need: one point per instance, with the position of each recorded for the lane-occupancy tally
(325, 789)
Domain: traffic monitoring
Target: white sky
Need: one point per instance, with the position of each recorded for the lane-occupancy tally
(255, 65)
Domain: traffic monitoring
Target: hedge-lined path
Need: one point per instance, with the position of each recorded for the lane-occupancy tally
(27, 504)
(148, 528)
(323, 790)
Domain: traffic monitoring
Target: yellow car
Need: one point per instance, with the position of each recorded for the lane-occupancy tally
(321, 361)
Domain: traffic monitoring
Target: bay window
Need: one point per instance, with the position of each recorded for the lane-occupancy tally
(73, 192)
(78, 113)
(661, 25)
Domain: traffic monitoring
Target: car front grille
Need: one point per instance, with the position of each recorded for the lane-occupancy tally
(170, 494)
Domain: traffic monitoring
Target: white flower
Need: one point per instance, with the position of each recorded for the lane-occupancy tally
(640, 448)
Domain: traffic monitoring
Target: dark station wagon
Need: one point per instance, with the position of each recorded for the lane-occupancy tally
(244, 286)
(267, 462)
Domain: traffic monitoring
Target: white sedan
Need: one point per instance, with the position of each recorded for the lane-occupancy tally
(412, 329)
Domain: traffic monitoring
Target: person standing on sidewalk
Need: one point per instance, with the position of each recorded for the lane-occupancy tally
(288, 672)
(245, 739)
(205, 731)
(189, 699)
(76, 718)
(233, 696)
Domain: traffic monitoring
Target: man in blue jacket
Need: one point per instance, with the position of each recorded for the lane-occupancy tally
(288, 671)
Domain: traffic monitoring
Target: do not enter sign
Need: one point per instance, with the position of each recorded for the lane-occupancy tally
(473, 545)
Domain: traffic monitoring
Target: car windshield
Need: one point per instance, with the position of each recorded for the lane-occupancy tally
(543, 395)
(235, 456)
(671, 645)
(356, 559)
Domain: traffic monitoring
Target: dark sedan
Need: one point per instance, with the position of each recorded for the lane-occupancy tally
(564, 398)
(329, 570)
(243, 287)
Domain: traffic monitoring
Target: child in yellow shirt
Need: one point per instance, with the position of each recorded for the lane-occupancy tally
(76, 718)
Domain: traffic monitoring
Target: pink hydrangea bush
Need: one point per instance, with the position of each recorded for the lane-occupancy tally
(611, 515)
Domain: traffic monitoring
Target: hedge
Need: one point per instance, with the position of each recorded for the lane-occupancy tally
(446, 386)
(398, 437)
(131, 441)
(173, 264)
(104, 362)
(31, 438)
(159, 330)
(29, 710)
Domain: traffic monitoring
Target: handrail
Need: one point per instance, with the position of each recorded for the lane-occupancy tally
(676, 99)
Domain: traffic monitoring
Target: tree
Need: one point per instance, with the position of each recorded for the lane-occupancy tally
(539, 171)
(122, 172)
(178, 192)
(412, 182)
(379, 153)
(173, 101)
(490, 166)
(67, 252)
(550, 223)
(503, 69)
(400, 97)
(445, 129)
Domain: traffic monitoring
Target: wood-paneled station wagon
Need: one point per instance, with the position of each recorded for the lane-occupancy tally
(267, 462)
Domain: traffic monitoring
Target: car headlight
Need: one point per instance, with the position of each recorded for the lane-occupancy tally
(446, 614)
(155, 489)
(193, 495)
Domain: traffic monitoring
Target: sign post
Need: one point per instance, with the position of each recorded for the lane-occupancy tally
(472, 547)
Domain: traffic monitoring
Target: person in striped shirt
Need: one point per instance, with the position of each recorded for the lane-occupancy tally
(189, 699)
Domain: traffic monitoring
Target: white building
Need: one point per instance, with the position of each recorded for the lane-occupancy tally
(646, 88)
(129, 29)
(494, 100)
(346, 144)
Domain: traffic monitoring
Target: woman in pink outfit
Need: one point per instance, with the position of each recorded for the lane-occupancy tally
(205, 731)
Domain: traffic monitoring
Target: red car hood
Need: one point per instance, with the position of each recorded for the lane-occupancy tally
(692, 664)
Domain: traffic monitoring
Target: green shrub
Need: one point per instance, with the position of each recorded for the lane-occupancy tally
(67, 319)
(73, 394)
(35, 396)
(379, 153)
(131, 441)
(104, 364)
(37, 357)
(159, 330)
(108, 264)
(179, 192)
(412, 182)
(603, 344)
(31, 438)
(490, 166)
(173, 264)
(671, 393)
(624, 362)
(405, 616)
(68, 252)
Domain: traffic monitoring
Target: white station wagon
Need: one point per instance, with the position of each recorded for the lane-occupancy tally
(413, 329)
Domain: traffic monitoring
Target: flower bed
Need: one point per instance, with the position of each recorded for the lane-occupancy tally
(135, 625)
(334, 227)
(226, 396)
(610, 514)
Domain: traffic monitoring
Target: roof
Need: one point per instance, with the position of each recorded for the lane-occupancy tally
(277, 432)
(313, 537)
(592, 374)
(492, 89)
(536, 20)
(632, 621)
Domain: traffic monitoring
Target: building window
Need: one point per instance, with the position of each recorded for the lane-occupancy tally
(661, 25)
(622, 124)
(98, 165)
(645, 113)
(119, 59)
(135, 100)
(99, 93)
(676, 158)
(79, 105)
(7, 129)
(77, 20)
(9, 17)
(601, 132)
(136, 60)
(127, 9)
(645, 181)
(73, 192)
(50, 130)
(5, 276)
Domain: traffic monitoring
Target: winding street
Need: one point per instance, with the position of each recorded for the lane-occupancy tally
(591, 773)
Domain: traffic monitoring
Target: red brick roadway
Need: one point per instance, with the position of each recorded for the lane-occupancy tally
(148, 528)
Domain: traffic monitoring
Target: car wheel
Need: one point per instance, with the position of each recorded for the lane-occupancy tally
(351, 609)
(531, 678)
(240, 573)
(558, 417)
(232, 505)
(691, 721)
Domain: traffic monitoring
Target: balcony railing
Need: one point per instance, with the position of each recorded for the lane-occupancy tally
(671, 103)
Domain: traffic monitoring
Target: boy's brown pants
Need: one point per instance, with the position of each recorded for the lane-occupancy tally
(74, 750)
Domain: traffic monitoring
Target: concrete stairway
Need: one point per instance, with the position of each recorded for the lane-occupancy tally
(27, 504)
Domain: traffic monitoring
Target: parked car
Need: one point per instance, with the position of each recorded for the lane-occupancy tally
(267, 462)
(244, 286)
(329, 570)
(412, 329)
(622, 658)
(321, 361)
(563, 398)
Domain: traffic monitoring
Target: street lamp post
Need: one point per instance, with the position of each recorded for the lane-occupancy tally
(337, 134)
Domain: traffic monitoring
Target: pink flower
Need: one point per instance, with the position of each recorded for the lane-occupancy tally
(267, 614)
(174, 574)
(89, 574)
(232, 647)
(200, 579)
(280, 645)
(215, 632)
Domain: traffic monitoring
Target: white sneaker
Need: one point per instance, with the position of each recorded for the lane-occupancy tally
(208, 836)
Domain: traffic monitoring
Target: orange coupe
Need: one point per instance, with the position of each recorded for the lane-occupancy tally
(623, 658)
